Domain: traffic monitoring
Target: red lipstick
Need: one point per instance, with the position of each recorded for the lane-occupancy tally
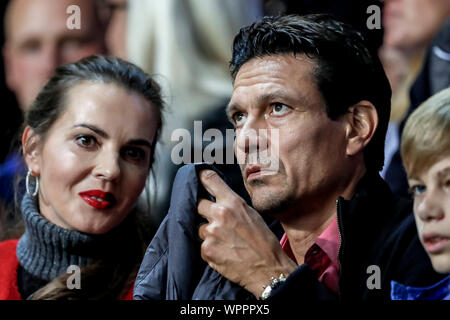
(98, 199)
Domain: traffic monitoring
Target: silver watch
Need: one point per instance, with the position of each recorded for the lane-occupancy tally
(274, 282)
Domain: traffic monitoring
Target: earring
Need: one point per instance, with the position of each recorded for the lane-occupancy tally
(36, 184)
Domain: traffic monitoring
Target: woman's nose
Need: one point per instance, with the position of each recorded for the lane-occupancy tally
(108, 167)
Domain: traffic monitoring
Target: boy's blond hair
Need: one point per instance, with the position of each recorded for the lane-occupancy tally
(426, 136)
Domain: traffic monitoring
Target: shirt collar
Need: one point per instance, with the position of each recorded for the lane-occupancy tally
(329, 241)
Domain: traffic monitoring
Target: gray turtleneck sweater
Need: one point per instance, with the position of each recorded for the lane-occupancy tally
(46, 250)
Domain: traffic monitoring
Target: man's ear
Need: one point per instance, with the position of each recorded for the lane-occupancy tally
(31, 150)
(361, 123)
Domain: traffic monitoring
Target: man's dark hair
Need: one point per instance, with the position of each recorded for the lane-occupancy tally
(346, 71)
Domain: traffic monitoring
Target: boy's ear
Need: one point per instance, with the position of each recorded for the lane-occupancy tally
(361, 123)
(31, 151)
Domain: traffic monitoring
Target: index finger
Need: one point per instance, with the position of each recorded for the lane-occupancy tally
(214, 184)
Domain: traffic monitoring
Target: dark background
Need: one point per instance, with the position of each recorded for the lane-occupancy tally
(10, 114)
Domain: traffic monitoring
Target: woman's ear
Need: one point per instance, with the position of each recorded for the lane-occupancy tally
(361, 123)
(30, 149)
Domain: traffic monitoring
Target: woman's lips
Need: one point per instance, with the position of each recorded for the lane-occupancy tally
(98, 199)
(435, 243)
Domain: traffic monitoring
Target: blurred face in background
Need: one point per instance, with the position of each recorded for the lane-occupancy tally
(410, 25)
(117, 27)
(37, 40)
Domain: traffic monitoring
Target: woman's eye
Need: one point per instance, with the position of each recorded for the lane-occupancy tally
(418, 189)
(239, 118)
(86, 141)
(447, 185)
(279, 109)
(135, 154)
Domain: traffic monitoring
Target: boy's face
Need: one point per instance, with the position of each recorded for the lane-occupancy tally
(431, 190)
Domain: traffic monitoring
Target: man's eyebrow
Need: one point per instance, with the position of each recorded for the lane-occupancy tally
(279, 95)
(91, 127)
(283, 96)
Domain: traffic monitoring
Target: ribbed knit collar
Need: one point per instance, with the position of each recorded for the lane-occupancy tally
(46, 250)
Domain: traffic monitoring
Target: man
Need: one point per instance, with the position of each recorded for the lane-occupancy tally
(312, 82)
(37, 40)
(434, 77)
(116, 32)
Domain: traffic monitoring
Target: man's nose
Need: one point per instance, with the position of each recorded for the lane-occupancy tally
(252, 142)
(252, 137)
(430, 208)
(51, 59)
(108, 166)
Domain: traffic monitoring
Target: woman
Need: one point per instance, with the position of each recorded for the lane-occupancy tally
(88, 144)
(425, 151)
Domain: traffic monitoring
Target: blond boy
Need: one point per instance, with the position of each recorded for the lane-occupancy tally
(425, 150)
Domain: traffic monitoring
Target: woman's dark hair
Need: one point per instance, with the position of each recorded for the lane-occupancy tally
(106, 279)
(346, 71)
(52, 100)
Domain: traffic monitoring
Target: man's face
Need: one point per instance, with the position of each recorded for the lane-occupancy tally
(279, 93)
(411, 24)
(38, 40)
(117, 28)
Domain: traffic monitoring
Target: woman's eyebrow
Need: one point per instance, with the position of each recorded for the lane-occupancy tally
(140, 142)
(91, 127)
(103, 134)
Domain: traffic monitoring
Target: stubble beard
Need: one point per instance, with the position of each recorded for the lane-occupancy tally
(270, 203)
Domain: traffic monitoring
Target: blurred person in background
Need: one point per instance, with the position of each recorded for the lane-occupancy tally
(37, 40)
(185, 43)
(409, 29)
(10, 122)
(116, 12)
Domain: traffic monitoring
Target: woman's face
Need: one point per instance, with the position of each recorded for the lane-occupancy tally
(95, 159)
(432, 212)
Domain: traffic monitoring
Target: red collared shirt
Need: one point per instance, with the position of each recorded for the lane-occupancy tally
(322, 256)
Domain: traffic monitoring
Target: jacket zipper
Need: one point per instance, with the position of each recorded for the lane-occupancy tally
(340, 251)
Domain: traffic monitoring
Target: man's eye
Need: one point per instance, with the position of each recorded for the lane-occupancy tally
(418, 189)
(31, 46)
(239, 118)
(72, 44)
(279, 109)
(86, 141)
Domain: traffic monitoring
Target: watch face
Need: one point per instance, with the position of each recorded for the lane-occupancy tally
(274, 282)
